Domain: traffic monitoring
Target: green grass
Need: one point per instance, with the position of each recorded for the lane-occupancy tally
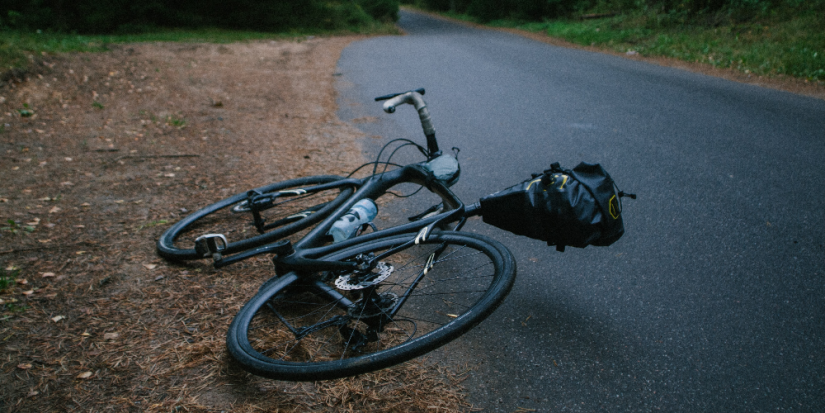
(19, 48)
(793, 47)
(13, 227)
(786, 44)
(8, 277)
(176, 121)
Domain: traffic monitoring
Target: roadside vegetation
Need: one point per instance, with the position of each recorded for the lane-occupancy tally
(762, 37)
(29, 30)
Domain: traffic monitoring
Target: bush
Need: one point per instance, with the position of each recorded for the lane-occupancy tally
(94, 16)
(381, 10)
(672, 11)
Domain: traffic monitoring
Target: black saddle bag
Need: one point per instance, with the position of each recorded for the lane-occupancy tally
(577, 207)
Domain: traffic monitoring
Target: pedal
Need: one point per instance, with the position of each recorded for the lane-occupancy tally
(210, 245)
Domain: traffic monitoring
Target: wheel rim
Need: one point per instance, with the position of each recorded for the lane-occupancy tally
(289, 214)
(300, 334)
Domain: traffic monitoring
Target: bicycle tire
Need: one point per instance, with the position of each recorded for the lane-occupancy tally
(476, 273)
(177, 242)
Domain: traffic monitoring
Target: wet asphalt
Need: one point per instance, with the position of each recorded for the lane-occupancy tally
(714, 300)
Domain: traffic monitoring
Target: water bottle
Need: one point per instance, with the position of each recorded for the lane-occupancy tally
(361, 213)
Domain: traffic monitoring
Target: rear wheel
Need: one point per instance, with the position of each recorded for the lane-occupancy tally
(284, 208)
(326, 325)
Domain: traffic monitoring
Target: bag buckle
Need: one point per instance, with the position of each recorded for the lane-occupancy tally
(210, 245)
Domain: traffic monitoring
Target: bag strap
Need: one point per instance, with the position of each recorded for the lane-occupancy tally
(555, 167)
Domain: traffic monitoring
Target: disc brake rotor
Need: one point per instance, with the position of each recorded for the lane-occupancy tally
(380, 273)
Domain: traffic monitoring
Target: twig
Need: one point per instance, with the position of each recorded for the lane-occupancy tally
(155, 156)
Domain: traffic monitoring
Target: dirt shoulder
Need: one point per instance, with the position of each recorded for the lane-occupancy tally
(99, 153)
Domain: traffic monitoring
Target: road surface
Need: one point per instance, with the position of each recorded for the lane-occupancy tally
(714, 300)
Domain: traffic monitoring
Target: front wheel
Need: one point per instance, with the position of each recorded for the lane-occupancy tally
(415, 298)
(288, 208)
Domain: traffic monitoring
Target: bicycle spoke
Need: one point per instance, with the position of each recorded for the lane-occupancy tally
(245, 228)
(424, 287)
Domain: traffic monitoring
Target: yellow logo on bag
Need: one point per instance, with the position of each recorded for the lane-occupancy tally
(615, 211)
(553, 182)
(531, 183)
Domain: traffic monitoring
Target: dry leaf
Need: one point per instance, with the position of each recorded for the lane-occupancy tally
(57, 318)
(22, 281)
(86, 334)
(54, 209)
(85, 204)
(80, 252)
(84, 375)
(48, 274)
(111, 336)
(119, 201)
(169, 175)
(150, 266)
(24, 366)
(28, 293)
(67, 183)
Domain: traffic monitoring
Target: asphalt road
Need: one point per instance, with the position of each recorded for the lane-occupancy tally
(714, 300)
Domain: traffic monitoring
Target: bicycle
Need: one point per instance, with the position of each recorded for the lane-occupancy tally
(337, 309)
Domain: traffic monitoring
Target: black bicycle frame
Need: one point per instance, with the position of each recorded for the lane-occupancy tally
(303, 256)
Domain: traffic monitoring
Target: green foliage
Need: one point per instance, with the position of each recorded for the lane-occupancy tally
(30, 28)
(176, 121)
(794, 47)
(14, 227)
(7, 277)
(26, 111)
(382, 10)
(764, 37)
(708, 12)
(126, 16)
